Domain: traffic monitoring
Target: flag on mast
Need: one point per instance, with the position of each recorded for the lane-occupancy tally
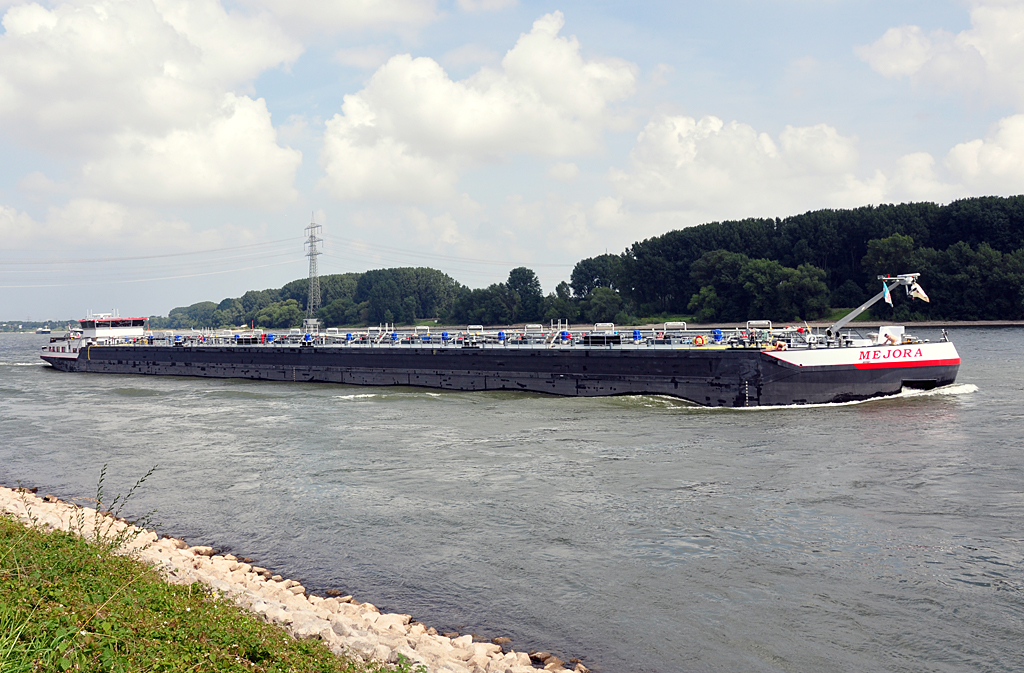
(887, 296)
(916, 291)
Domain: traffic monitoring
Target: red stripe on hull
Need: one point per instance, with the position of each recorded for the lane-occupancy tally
(897, 364)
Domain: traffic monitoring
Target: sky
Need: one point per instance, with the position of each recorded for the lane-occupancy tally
(157, 153)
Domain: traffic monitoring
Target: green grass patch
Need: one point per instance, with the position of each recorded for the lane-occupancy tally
(67, 604)
(837, 313)
(663, 317)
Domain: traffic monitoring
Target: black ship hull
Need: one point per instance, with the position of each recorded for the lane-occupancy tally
(718, 377)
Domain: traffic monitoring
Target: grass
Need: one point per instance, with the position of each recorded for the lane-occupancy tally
(835, 314)
(69, 604)
(663, 317)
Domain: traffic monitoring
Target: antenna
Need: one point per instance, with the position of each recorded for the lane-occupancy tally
(313, 302)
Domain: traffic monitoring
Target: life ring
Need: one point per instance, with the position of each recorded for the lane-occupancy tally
(699, 340)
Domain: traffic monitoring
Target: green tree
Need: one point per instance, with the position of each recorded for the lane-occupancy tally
(524, 282)
(889, 256)
(340, 312)
(848, 295)
(200, 314)
(803, 293)
(601, 305)
(280, 315)
(722, 295)
(254, 301)
(781, 293)
(706, 305)
(594, 272)
(559, 305)
(385, 301)
(229, 313)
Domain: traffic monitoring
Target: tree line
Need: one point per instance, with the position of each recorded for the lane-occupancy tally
(970, 254)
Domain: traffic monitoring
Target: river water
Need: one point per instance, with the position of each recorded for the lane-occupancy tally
(636, 533)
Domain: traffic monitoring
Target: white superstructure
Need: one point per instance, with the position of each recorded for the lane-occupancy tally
(106, 327)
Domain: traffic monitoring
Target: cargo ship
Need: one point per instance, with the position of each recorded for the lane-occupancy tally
(753, 365)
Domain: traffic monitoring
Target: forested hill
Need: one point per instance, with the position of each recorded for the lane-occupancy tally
(970, 254)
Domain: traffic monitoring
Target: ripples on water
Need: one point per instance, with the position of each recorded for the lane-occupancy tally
(642, 533)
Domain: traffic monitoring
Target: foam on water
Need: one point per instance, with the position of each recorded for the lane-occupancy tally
(135, 392)
(954, 389)
(678, 404)
(366, 396)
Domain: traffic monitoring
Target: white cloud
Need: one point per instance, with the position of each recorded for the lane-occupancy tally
(470, 54)
(731, 170)
(486, 5)
(408, 133)
(232, 156)
(995, 164)
(684, 171)
(437, 232)
(563, 172)
(386, 170)
(122, 86)
(95, 223)
(818, 148)
(916, 179)
(555, 229)
(366, 58)
(987, 58)
(347, 16)
(37, 185)
(900, 52)
(16, 227)
(72, 75)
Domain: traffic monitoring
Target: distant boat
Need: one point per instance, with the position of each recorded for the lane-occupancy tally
(43, 330)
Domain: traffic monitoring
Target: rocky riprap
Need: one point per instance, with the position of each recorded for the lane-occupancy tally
(346, 626)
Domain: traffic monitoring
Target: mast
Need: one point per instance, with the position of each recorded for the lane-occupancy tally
(905, 279)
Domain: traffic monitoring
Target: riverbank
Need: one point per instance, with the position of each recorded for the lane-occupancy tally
(348, 628)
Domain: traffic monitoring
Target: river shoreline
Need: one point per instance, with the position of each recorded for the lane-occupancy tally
(347, 626)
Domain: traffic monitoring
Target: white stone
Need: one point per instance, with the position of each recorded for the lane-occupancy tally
(410, 654)
(279, 615)
(452, 667)
(363, 646)
(307, 625)
(486, 649)
(432, 649)
(392, 621)
(381, 653)
(341, 626)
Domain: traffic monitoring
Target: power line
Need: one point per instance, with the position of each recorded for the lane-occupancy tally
(152, 267)
(80, 260)
(150, 280)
